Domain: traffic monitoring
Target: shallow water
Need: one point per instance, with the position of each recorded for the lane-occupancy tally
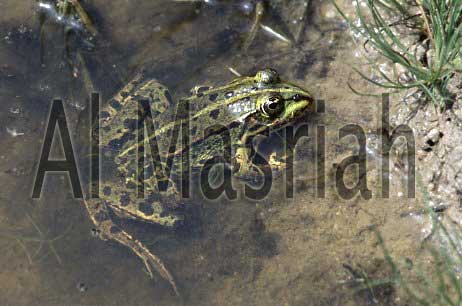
(279, 251)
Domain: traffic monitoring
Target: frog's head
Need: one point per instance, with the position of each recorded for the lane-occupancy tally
(279, 102)
(259, 102)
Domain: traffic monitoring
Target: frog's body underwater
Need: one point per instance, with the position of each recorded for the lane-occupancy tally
(243, 108)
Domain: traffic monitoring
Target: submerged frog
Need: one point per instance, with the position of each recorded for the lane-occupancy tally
(241, 109)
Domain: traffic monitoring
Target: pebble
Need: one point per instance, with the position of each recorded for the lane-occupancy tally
(434, 135)
(82, 287)
(13, 132)
(330, 14)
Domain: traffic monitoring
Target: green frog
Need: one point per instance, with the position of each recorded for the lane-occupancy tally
(243, 108)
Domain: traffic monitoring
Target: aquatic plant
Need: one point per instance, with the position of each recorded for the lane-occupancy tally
(437, 282)
(259, 10)
(74, 20)
(438, 26)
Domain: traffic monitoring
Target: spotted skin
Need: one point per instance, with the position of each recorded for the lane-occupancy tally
(230, 114)
(117, 195)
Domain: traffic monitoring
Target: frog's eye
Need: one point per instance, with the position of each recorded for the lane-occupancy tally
(272, 106)
(267, 76)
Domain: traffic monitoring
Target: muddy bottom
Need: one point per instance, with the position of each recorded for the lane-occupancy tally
(299, 249)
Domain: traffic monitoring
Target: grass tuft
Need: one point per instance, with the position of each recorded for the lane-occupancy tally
(437, 23)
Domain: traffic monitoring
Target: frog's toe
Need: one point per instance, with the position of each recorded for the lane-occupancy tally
(277, 163)
(149, 259)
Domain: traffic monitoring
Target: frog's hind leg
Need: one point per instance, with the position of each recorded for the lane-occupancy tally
(108, 230)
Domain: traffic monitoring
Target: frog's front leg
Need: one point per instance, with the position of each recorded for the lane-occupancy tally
(108, 230)
(243, 161)
(243, 157)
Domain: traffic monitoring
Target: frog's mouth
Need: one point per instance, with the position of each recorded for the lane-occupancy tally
(296, 110)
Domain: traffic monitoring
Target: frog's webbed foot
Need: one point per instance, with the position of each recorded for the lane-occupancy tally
(277, 163)
(245, 165)
(247, 169)
(108, 230)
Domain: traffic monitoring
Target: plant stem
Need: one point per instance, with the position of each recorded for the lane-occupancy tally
(427, 24)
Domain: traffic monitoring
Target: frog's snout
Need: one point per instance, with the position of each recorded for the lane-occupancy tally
(298, 108)
(301, 108)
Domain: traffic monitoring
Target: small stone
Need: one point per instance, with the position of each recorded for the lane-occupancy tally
(330, 14)
(13, 132)
(434, 135)
(82, 287)
(95, 232)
